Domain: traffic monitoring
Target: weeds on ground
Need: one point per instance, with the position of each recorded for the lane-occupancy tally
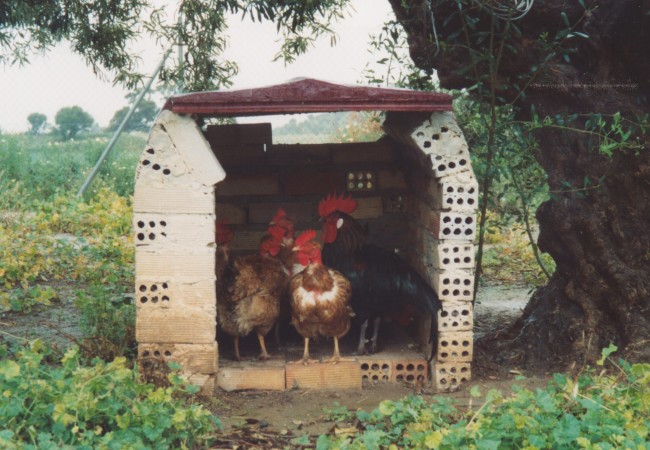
(51, 403)
(597, 409)
(509, 259)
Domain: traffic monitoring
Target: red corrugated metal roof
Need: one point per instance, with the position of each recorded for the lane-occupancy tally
(306, 95)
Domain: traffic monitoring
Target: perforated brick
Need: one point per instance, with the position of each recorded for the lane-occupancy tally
(409, 371)
(456, 192)
(453, 225)
(454, 285)
(199, 362)
(455, 346)
(375, 369)
(449, 376)
(455, 317)
(453, 255)
(186, 230)
(442, 139)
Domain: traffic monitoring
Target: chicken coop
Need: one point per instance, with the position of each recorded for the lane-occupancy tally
(416, 193)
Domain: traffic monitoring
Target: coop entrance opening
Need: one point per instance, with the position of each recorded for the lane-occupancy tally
(416, 197)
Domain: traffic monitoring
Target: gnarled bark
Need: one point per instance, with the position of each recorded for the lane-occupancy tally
(598, 231)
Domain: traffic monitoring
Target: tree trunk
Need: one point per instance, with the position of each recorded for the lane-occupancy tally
(596, 225)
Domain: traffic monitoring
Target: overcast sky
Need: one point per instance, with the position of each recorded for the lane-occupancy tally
(60, 78)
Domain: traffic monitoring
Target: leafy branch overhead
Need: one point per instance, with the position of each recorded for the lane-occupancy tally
(105, 33)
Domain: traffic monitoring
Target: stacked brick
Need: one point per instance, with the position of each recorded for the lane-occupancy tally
(444, 205)
(174, 232)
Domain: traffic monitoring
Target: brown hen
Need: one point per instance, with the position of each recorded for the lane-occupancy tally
(249, 290)
(320, 297)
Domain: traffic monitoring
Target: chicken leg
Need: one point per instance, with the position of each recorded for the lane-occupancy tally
(375, 334)
(237, 357)
(361, 348)
(336, 357)
(305, 353)
(264, 355)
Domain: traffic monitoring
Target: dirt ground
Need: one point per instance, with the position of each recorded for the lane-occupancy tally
(294, 413)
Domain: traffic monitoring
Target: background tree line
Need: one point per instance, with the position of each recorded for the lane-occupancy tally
(71, 122)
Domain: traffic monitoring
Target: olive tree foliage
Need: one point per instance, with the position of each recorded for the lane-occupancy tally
(104, 32)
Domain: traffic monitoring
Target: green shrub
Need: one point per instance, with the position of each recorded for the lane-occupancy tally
(595, 410)
(69, 405)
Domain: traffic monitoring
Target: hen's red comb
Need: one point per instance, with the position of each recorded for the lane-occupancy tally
(279, 216)
(223, 233)
(305, 237)
(333, 203)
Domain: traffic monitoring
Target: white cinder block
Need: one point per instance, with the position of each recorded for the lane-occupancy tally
(175, 262)
(454, 285)
(453, 255)
(449, 376)
(441, 138)
(173, 230)
(455, 225)
(177, 154)
(160, 161)
(150, 198)
(455, 347)
(455, 317)
(458, 192)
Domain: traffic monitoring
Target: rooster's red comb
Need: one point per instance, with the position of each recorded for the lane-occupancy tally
(333, 203)
(305, 237)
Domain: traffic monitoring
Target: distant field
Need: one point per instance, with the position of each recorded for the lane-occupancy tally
(38, 167)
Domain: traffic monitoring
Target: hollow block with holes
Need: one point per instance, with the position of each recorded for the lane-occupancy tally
(454, 285)
(458, 192)
(162, 231)
(455, 346)
(451, 225)
(375, 370)
(409, 371)
(173, 310)
(452, 254)
(449, 376)
(198, 361)
(455, 316)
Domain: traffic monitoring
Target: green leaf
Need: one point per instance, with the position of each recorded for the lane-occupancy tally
(9, 369)
(604, 354)
(433, 440)
(475, 391)
(387, 408)
(565, 19)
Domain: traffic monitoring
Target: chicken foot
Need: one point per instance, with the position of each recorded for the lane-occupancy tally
(305, 354)
(361, 349)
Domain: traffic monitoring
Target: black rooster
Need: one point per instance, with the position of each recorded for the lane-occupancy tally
(383, 285)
